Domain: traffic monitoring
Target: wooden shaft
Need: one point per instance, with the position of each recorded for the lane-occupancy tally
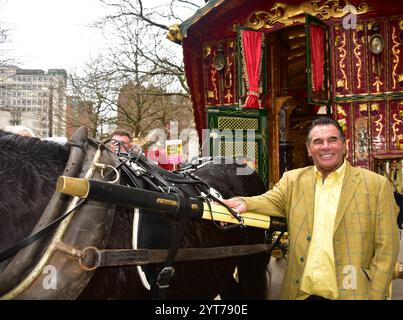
(110, 193)
(220, 213)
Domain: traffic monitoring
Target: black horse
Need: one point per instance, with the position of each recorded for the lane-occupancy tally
(29, 168)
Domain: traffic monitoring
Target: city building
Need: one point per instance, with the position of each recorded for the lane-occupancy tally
(33, 98)
(78, 113)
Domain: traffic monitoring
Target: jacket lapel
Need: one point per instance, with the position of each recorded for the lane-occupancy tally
(309, 195)
(350, 184)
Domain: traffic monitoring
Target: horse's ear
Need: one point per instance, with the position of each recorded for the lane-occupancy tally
(80, 133)
(79, 137)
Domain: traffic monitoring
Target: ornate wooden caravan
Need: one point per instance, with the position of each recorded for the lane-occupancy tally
(272, 67)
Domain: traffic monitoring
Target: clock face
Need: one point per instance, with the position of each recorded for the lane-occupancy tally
(219, 62)
(376, 44)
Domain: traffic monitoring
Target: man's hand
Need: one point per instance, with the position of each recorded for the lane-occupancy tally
(237, 204)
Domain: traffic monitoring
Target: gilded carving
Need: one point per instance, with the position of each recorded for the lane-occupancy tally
(342, 56)
(174, 34)
(395, 54)
(340, 111)
(213, 81)
(378, 127)
(363, 108)
(341, 115)
(288, 14)
(228, 74)
(395, 126)
(228, 96)
(207, 51)
(377, 83)
(357, 54)
(340, 83)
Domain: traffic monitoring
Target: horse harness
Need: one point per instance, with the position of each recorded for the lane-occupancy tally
(140, 173)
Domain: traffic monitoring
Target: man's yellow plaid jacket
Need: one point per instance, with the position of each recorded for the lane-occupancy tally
(365, 240)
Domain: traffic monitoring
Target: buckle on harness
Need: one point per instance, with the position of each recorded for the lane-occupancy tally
(164, 276)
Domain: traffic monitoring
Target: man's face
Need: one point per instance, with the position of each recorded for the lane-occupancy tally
(124, 143)
(326, 148)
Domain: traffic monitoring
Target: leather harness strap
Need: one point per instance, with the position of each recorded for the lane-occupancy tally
(160, 287)
(129, 257)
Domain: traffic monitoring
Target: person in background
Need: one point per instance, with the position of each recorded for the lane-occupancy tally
(20, 130)
(121, 140)
(343, 235)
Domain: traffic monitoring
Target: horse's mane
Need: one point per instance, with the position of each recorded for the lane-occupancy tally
(29, 168)
(33, 147)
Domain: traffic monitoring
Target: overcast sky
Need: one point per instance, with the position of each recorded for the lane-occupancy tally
(48, 34)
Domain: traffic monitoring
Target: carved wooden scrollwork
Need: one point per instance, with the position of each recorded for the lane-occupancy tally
(288, 14)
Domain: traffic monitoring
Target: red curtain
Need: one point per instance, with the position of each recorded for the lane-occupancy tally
(317, 46)
(252, 53)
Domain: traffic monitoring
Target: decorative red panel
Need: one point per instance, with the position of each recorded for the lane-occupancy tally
(361, 134)
(343, 116)
(220, 84)
(341, 70)
(377, 62)
(396, 125)
(378, 125)
(396, 54)
(359, 62)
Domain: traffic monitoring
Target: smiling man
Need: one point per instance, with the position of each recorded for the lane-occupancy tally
(343, 235)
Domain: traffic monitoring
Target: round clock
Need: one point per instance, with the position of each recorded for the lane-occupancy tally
(376, 44)
(219, 62)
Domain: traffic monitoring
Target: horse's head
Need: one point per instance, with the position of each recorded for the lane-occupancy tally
(33, 167)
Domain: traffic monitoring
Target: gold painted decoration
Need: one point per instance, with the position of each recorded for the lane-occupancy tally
(378, 127)
(341, 111)
(377, 83)
(395, 55)
(341, 117)
(340, 83)
(228, 74)
(342, 65)
(288, 14)
(213, 80)
(395, 128)
(357, 54)
(207, 51)
(363, 108)
(174, 34)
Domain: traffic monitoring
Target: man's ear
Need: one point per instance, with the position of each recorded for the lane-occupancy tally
(345, 149)
(307, 149)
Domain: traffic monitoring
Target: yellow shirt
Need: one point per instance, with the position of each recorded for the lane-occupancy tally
(319, 275)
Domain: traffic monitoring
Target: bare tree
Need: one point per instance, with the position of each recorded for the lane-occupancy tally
(97, 89)
(141, 84)
(155, 91)
(130, 21)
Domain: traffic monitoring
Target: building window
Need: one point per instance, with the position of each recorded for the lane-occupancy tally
(15, 122)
